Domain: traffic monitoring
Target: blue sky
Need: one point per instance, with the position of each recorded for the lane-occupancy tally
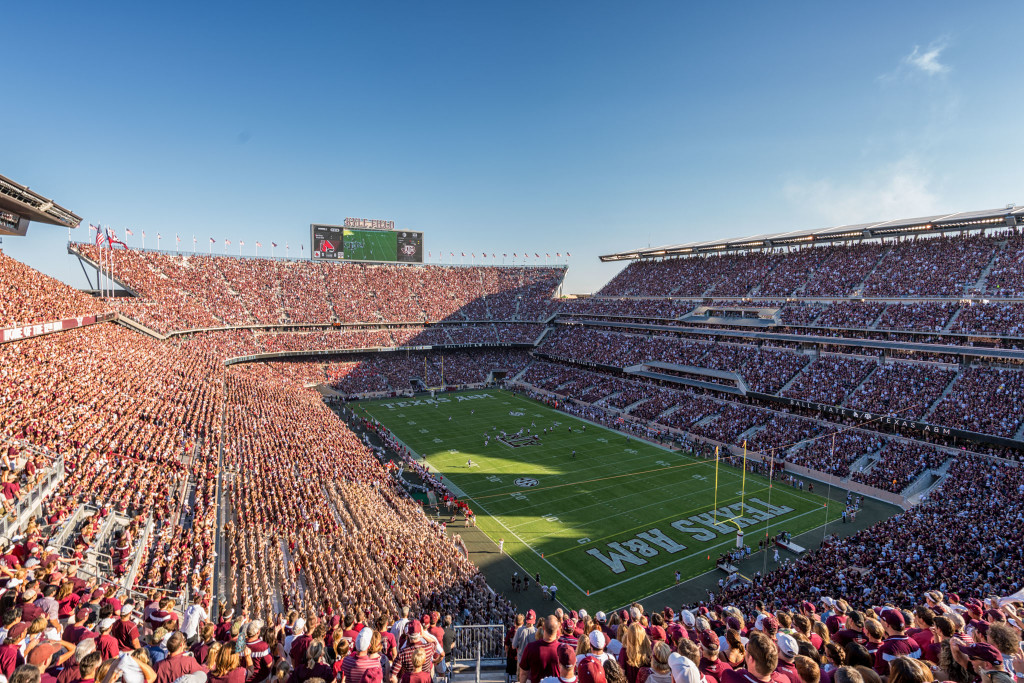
(586, 127)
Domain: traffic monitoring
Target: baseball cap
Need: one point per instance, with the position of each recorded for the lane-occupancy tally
(82, 614)
(126, 609)
(531, 617)
(426, 619)
(373, 675)
(808, 606)
(107, 623)
(566, 655)
(364, 638)
(894, 618)
(657, 633)
(733, 623)
(597, 640)
(40, 655)
(97, 594)
(981, 651)
(413, 629)
(788, 646)
(590, 671)
(601, 616)
(568, 625)
(17, 631)
(709, 640)
(687, 617)
(994, 615)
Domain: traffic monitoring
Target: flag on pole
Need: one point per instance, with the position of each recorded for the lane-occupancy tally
(128, 231)
(258, 245)
(558, 254)
(213, 241)
(99, 238)
(536, 255)
(241, 243)
(568, 255)
(273, 244)
(227, 242)
(193, 239)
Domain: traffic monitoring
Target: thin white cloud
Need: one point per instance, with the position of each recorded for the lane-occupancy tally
(903, 189)
(927, 60)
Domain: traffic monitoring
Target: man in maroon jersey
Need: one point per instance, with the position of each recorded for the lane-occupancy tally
(760, 659)
(540, 659)
(710, 665)
(897, 644)
(178, 662)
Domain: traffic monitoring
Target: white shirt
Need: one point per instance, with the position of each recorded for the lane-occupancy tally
(193, 616)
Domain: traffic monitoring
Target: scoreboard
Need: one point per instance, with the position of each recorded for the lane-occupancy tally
(343, 243)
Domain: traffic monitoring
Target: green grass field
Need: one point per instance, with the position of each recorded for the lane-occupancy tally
(610, 526)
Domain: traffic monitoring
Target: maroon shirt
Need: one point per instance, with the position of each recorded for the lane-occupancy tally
(76, 634)
(124, 631)
(173, 668)
(10, 659)
(236, 675)
(713, 670)
(540, 659)
(107, 646)
(789, 671)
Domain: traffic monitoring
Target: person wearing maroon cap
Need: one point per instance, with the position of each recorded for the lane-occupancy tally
(525, 634)
(10, 653)
(540, 659)
(78, 631)
(656, 631)
(415, 639)
(760, 659)
(710, 665)
(897, 644)
(986, 660)
(567, 637)
(590, 671)
(566, 666)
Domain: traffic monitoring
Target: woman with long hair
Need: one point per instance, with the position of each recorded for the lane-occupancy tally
(227, 667)
(636, 650)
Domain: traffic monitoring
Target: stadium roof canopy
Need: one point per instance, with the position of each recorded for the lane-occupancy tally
(20, 205)
(1010, 216)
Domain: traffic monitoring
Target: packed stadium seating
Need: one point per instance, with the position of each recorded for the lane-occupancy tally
(316, 523)
(190, 291)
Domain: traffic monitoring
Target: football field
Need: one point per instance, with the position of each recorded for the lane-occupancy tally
(612, 523)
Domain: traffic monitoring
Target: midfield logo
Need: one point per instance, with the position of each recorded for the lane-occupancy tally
(519, 441)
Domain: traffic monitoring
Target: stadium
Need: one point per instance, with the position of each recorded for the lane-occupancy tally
(502, 342)
(732, 429)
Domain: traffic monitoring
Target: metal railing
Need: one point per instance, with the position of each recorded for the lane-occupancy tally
(31, 501)
(484, 644)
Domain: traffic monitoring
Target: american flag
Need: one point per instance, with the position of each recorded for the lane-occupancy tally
(258, 244)
(273, 244)
(213, 241)
(128, 231)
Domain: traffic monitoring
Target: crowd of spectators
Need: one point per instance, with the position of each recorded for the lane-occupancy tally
(901, 462)
(830, 378)
(28, 296)
(905, 390)
(987, 400)
(934, 266)
(188, 291)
